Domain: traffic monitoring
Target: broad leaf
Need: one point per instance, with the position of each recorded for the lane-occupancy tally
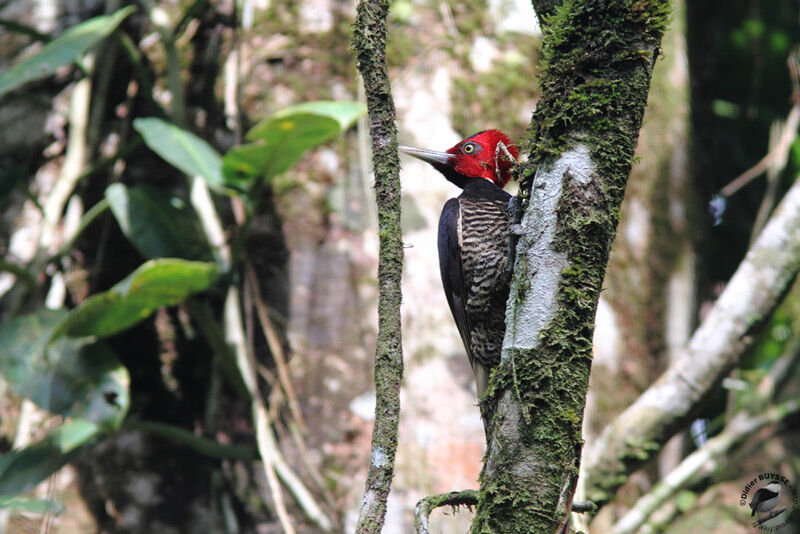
(69, 377)
(182, 149)
(22, 469)
(157, 227)
(32, 505)
(155, 284)
(280, 140)
(67, 48)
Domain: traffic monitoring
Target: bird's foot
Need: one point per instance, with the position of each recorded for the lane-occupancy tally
(518, 229)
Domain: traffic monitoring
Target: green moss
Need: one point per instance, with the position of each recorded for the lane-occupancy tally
(597, 59)
(595, 71)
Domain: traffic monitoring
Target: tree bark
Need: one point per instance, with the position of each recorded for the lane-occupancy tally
(598, 58)
(369, 41)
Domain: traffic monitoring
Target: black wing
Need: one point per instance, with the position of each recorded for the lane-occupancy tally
(763, 494)
(452, 270)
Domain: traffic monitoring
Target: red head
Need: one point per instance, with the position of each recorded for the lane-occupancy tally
(476, 156)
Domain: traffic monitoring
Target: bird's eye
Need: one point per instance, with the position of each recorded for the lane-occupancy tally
(468, 148)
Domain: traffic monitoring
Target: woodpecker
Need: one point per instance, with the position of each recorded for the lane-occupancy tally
(474, 242)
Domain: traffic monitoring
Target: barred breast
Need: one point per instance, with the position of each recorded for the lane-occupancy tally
(483, 233)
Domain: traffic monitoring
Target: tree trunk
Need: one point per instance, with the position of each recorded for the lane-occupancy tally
(598, 59)
(648, 306)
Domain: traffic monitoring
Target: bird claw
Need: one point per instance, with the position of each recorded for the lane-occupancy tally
(518, 229)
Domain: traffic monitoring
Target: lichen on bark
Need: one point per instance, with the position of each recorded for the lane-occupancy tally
(597, 60)
(369, 42)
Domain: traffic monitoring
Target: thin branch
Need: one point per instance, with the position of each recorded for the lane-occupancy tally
(267, 448)
(705, 459)
(774, 513)
(369, 41)
(779, 152)
(584, 507)
(752, 294)
(161, 22)
(76, 156)
(275, 346)
(180, 436)
(427, 505)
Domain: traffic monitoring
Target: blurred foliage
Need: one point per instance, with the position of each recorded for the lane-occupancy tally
(54, 357)
(749, 87)
(62, 51)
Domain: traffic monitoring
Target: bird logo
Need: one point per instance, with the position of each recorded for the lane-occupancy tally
(765, 499)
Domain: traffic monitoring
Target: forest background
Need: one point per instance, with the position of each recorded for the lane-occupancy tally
(161, 424)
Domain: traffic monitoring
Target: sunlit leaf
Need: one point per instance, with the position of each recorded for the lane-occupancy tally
(67, 48)
(346, 113)
(155, 284)
(181, 148)
(32, 505)
(280, 140)
(69, 377)
(157, 227)
(22, 469)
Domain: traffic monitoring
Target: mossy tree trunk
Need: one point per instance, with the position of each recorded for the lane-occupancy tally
(598, 57)
(369, 42)
(648, 305)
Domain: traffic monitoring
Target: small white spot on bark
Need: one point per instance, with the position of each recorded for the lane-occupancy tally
(368, 501)
(379, 458)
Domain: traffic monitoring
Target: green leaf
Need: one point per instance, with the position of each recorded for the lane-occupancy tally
(159, 227)
(155, 284)
(32, 505)
(182, 149)
(280, 140)
(69, 377)
(344, 112)
(22, 469)
(205, 446)
(67, 48)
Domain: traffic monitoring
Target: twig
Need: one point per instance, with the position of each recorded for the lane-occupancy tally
(275, 346)
(773, 513)
(425, 506)
(779, 152)
(235, 336)
(234, 332)
(774, 170)
(584, 507)
(87, 219)
(160, 20)
(369, 42)
(204, 446)
(77, 154)
(267, 448)
(704, 459)
(20, 272)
